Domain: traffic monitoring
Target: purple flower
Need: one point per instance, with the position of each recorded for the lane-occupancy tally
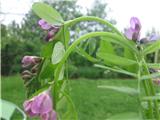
(40, 105)
(154, 37)
(29, 60)
(52, 29)
(133, 32)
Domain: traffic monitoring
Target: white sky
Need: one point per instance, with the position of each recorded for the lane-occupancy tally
(121, 10)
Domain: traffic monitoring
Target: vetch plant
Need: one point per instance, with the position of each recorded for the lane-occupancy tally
(51, 70)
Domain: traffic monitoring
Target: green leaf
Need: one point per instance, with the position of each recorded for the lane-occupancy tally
(126, 116)
(66, 36)
(106, 47)
(47, 13)
(116, 70)
(71, 114)
(130, 55)
(85, 54)
(123, 42)
(126, 90)
(154, 65)
(152, 47)
(116, 60)
(47, 70)
(58, 53)
(92, 46)
(61, 74)
(47, 49)
(154, 75)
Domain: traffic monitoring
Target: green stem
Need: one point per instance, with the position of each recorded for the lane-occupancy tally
(145, 83)
(146, 88)
(92, 18)
(153, 93)
(156, 56)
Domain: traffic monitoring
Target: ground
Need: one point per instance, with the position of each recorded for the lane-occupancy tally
(92, 103)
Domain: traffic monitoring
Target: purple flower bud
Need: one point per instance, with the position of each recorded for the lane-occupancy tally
(28, 60)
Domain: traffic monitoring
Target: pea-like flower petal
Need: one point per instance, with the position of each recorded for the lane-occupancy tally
(133, 32)
(28, 60)
(40, 105)
(135, 23)
(44, 25)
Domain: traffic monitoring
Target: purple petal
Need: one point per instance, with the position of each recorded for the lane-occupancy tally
(154, 37)
(27, 108)
(45, 116)
(41, 22)
(36, 105)
(50, 35)
(42, 104)
(129, 32)
(135, 23)
(49, 116)
(44, 25)
(27, 105)
(28, 60)
(53, 116)
(47, 104)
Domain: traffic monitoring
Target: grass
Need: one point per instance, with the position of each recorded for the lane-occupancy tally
(92, 103)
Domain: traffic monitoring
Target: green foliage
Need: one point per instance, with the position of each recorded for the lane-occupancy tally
(152, 47)
(48, 13)
(115, 60)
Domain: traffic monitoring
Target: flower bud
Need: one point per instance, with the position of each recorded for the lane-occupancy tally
(26, 75)
(30, 60)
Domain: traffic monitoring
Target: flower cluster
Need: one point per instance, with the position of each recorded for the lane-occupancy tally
(41, 106)
(52, 29)
(30, 65)
(133, 32)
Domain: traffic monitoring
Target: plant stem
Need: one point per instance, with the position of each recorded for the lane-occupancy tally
(92, 18)
(153, 93)
(145, 84)
(156, 56)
